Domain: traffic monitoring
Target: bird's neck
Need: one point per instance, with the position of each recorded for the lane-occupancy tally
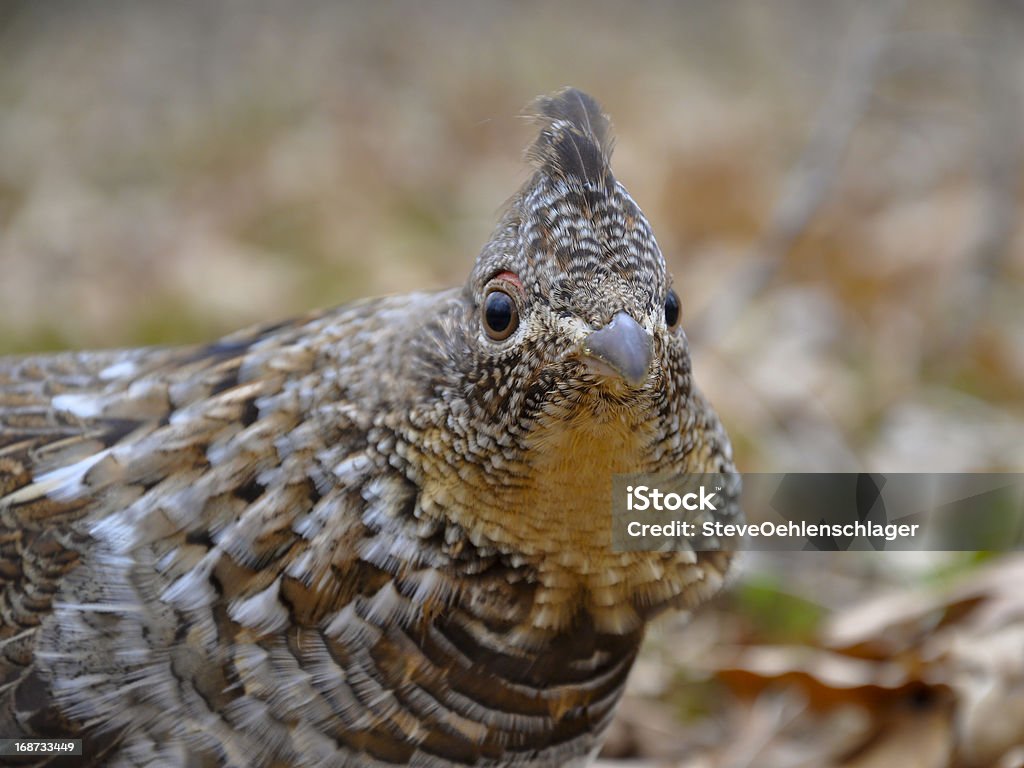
(552, 515)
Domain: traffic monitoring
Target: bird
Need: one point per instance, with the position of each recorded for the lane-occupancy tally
(375, 535)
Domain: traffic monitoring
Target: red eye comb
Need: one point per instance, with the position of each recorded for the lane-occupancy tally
(510, 277)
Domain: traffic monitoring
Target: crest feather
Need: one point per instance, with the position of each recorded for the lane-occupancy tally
(575, 140)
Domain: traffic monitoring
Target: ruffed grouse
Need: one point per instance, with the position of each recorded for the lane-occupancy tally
(375, 536)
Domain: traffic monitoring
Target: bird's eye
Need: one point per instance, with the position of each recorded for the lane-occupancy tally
(501, 316)
(672, 309)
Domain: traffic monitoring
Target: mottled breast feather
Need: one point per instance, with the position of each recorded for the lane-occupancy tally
(373, 536)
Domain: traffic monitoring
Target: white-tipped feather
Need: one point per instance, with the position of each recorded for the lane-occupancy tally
(62, 484)
(86, 405)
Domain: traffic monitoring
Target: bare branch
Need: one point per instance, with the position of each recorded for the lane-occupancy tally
(999, 165)
(809, 182)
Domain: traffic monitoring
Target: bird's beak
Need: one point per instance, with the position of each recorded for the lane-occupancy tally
(622, 348)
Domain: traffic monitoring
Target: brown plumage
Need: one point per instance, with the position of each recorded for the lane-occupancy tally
(378, 535)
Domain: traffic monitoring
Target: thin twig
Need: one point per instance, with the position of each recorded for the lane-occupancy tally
(812, 177)
(999, 165)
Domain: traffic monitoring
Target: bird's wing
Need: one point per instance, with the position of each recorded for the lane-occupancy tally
(75, 430)
(166, 514)
(48, 431)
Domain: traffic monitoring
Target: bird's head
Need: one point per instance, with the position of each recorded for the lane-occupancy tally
(573, 313)
(563, 361)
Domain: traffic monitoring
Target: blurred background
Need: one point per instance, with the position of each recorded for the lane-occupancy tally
(836, 187)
